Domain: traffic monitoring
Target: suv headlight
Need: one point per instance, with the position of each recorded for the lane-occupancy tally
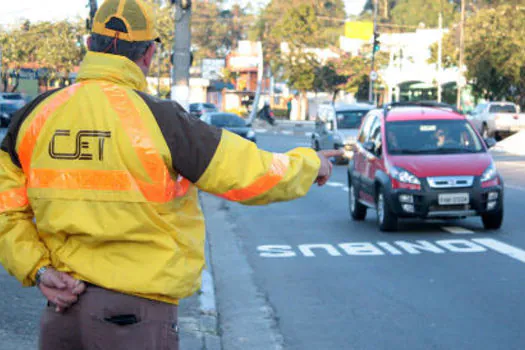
(490, 173)
(404, 176)
(250, 134)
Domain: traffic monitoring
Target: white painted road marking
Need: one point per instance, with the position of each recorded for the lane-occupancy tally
(377, 249)
(503, 248)
(456, 230)
(334, 184)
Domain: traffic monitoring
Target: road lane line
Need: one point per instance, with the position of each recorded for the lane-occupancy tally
(346, 189)
(457, 230)
(334, 184)
(503, 248)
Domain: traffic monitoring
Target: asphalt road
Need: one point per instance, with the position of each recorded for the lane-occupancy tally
(331, 283)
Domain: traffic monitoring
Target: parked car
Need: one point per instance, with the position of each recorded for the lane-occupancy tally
(337, 126)
(198, 109)
(10, 102)
(231, 122)
(497, 119)
(13, 98)
(7, 110)
(421, 162)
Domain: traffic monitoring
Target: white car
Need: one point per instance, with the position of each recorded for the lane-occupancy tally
(337, 126)
(497, 119)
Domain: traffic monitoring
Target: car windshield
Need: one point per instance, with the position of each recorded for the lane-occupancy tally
(350, 119)
(210, 107)
(227, 120)
(507, 108)
(432, 137)
(12, 97)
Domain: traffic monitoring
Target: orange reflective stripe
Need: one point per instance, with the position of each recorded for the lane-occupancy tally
(13, 199)
(100, 180)
(25, 150)
(278, 168)
(161, 188)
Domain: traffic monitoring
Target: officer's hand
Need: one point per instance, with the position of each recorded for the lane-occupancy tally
(60, 289)
(325, 171)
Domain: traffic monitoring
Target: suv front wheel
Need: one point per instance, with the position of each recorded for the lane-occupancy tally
(493, 221)
(386, 218)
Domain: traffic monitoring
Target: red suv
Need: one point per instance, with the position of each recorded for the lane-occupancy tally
(414, 161)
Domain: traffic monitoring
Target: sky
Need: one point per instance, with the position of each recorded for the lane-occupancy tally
(40, 10)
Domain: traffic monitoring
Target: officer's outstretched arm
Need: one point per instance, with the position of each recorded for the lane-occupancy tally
(21, 251)
(240, 171)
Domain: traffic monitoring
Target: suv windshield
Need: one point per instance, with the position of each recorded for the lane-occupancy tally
(432, 137)
(350, 119)
(502, 109)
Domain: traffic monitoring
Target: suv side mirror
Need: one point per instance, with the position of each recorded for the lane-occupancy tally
(369, 146)
(490, 142)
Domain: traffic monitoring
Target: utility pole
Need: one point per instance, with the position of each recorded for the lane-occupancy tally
(461, 49)
(180, 91)
(371, 97)
(440, 52)
(92, 11)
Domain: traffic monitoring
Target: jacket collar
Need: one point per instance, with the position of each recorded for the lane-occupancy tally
(112, 68)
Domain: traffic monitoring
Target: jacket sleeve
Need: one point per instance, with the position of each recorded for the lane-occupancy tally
(241, 172)
(224, 164)
(21, 251)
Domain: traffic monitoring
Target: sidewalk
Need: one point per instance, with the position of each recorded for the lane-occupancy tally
(198, 318)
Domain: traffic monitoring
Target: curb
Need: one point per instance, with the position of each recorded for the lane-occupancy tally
(198, 317)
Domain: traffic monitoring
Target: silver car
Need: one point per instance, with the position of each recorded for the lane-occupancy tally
(337, 126)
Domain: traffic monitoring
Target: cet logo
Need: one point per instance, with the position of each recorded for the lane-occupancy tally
(82, 144)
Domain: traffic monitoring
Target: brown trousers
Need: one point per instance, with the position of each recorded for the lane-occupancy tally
(92, 324)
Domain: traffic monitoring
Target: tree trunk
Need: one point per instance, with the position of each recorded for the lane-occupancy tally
(17, 82)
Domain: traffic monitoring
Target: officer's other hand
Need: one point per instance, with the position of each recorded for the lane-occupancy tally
(325, 171)
(60, 289)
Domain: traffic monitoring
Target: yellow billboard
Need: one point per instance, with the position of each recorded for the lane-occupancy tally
(359, 30)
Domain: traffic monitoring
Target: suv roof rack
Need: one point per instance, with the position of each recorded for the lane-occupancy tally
(431, 104)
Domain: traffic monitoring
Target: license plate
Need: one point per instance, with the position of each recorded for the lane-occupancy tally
(453, 198)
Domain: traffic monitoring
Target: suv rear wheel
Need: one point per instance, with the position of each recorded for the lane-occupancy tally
(357, 210)
(492, 221)
(386, 219)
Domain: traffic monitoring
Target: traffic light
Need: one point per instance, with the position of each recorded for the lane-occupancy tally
(377, 43)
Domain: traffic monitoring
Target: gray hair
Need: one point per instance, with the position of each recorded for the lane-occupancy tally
(132, 50)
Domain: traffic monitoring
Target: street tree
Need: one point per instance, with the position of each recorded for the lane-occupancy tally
(299, 29)
(495, 53)
(417, 12)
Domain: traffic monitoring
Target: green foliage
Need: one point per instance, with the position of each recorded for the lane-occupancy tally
(450, 51)
(495, 53)
(414, 12)
(299, 27)
(56, 46)
(299, 70)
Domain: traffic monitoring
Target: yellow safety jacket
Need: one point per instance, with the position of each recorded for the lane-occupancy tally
(100, 180)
